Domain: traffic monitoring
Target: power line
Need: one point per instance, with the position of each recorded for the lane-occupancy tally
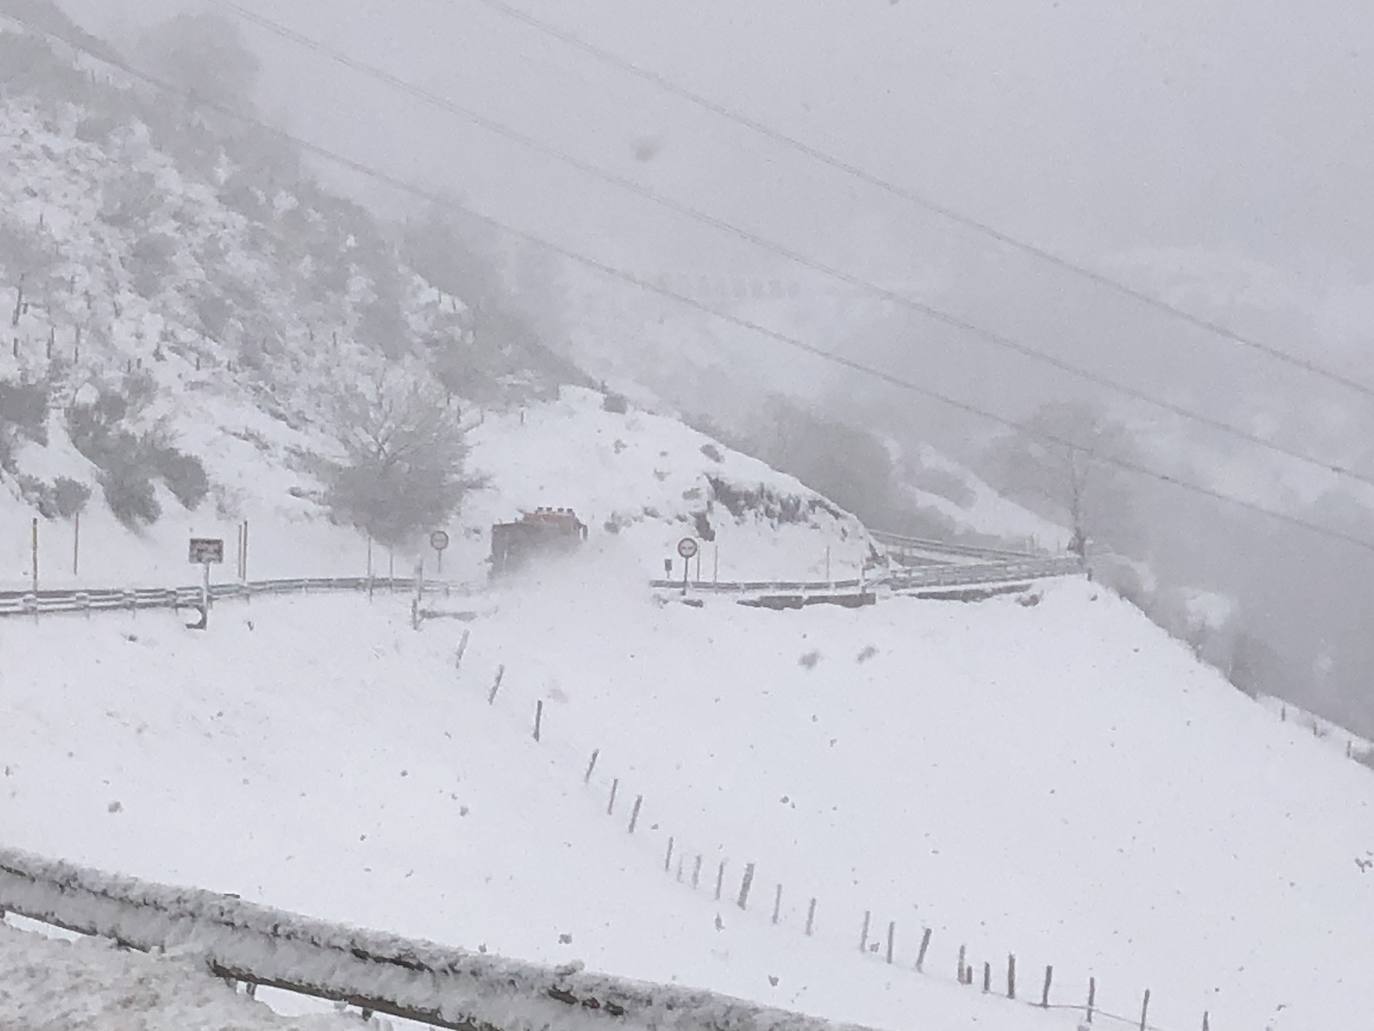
(921, 200)
(617, 273)
(945, 318)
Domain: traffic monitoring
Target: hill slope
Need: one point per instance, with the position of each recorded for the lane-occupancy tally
(1107, 805)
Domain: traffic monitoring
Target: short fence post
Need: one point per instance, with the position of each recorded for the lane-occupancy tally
(720, 879)
(810, 918)
(680, 858)
(921, 955)
(696, 873)
(538, 717)
(962, 953)
(587, 777)
(1045, 993)
(496, 685)
(1206, 1024)
(462, 647)
(891, 936)
(1092, 997)
(610, 806)
(668, 856)
(634, 813)
(745, 885)
(1011, 975)
(987, 977)
(777, 903)
(863, 935)
(1145, 1011)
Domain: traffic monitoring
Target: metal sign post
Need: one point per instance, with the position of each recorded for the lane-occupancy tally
(687, 548)
(205, 552)
(438, 540)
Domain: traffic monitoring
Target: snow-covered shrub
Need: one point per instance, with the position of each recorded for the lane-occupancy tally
(150, 262)
(61, 499)
(129, 492)
(184, 475)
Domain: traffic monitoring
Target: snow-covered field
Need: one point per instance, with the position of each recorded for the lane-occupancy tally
(1106, 805)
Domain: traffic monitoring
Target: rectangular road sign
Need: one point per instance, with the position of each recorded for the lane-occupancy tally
(207, 550)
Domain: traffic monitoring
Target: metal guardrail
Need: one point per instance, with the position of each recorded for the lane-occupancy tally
(22, 603)
(899, 542)
(1023, 568)
(415, 980)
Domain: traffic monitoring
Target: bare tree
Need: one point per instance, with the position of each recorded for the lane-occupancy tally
(1061, 466)
(403, 456)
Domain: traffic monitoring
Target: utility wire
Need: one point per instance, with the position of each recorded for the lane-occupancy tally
(926, 202)
(868, 286)
(617, 273)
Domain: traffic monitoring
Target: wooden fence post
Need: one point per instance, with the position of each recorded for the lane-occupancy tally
(745, 885)
(987, 977)
(1092, 997)
(777, 904)
(1145, 1011)
(668, 856)
(680, 858)
(538, 717)
(462, 647)
(1011, 975)
(696, 873)
(720, 879)
(891, 936)
(634, 814)
(496, 684)
(962, 951)
(863, 935)
(610, 806)
(810, 918)
(587, 777)
(1206, 1024)
(921, 956)
(1045, 992)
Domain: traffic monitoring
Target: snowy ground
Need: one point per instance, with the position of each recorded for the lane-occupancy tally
(89, 985)
(1106, 805)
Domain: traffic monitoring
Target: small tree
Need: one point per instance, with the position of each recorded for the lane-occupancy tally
(1060, 465)
(403, 457)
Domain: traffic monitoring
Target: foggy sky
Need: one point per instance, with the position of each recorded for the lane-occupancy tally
(1225, 142)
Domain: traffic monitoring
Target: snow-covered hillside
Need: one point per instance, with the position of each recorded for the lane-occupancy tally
(641, 481)
(196, 276)
(1107, 805)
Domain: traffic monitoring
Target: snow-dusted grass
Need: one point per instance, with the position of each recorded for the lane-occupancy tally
(1062, 781)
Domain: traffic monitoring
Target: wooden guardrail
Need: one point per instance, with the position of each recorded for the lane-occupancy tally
(416, 980)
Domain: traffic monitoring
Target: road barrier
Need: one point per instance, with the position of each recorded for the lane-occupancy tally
(415, 980)
(20, 603)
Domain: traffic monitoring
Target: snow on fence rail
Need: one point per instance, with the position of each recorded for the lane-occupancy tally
(417, 980)
(20, 603)
(905, 579)
(899, 542)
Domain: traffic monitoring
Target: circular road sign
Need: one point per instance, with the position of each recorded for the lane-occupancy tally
(438, 540)
(687, 547)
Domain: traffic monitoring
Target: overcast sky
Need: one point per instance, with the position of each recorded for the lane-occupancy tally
(1226, 143)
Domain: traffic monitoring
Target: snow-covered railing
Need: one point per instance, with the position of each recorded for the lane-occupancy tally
(416, 980)
(19, 603)
(1022, 568)
(991, 572)
(899, 542)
